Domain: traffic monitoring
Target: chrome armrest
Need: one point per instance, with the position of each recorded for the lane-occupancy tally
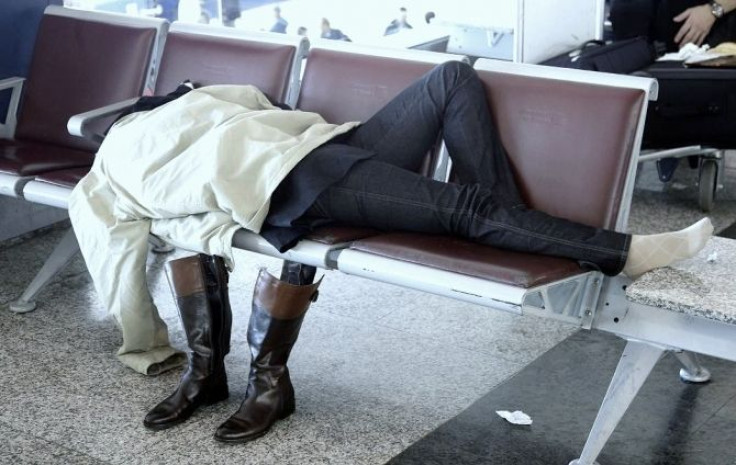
(7, 129)
(80, 125)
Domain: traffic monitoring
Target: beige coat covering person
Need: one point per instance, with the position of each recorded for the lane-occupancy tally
(192, 172)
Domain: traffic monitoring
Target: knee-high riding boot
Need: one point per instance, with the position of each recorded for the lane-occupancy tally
(277, 315)
(199, 284)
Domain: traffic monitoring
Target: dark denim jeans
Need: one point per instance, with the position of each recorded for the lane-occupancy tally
(385, 192)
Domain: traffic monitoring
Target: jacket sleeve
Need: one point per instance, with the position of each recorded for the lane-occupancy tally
(115, 253)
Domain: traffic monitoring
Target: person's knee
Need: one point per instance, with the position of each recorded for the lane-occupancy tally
(453, 73)
(455, 69)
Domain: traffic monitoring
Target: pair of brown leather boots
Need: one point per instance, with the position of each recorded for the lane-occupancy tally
(199, 284)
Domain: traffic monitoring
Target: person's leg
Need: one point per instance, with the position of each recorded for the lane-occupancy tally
(449, 100)
(380, 195)
(279, 306)
(200, 286)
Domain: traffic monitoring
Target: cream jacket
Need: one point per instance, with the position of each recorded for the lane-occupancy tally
(192, 172)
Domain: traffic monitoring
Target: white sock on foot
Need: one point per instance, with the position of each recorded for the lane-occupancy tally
(657, 250)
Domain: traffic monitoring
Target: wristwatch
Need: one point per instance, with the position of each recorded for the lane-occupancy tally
(717, 9)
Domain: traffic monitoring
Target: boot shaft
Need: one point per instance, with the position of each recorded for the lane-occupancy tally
(199, 284)
(276, 318)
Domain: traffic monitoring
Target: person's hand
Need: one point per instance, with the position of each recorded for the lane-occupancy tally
(696, 24)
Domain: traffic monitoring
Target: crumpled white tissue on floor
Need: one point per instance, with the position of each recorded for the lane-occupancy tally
(516, 417)
(712, 257)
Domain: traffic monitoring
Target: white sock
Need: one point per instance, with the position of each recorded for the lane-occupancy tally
(657, 250)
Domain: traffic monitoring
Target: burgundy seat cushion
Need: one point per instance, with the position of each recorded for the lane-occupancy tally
(352, 87)
(79, 65)
(464, 257)
(64, 178)
(332, 235)
(223, 60)
(31, 158)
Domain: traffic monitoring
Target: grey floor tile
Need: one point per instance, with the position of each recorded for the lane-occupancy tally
(20, 448)
(507, 336)
(658, 207)
(21, 263)
(354, 404)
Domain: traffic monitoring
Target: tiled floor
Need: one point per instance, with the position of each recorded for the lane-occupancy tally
(376, 368)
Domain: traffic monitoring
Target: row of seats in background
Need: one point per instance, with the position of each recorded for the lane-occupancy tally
(84, 61)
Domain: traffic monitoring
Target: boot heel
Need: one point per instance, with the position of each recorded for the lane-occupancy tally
(288, 409)
(218, 394)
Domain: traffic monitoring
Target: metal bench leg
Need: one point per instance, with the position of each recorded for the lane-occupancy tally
(633, 368)
(693, 371)
(159, 246)
(59, 258)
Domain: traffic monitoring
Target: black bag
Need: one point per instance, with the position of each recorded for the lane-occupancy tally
(623, 57)
(696, 106)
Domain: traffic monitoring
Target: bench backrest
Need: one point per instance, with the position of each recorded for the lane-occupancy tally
(573, 144)
(210, 55)
(83, 60)
(347, 82)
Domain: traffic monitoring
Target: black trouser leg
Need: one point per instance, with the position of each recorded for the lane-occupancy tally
(383, 196)
(449, 100)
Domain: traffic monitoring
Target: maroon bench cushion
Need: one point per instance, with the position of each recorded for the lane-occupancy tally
(30, 158)
(353, 87)
(464, 257)
(332, 235)
(223, 60)
(580, 133)
(79, 65)
(64, 178)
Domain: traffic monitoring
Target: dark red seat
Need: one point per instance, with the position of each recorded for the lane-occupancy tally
(80, 62)
(553, 130)
(464, 257)
(29, 158)
(63, 178)
(228, 59)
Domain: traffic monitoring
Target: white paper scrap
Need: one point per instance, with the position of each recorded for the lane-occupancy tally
(516, 417)
(712, 257)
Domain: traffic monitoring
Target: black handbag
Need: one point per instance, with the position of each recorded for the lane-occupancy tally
(624, 57)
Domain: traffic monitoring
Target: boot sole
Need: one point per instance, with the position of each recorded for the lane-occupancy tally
(180, 420)
(252, 437)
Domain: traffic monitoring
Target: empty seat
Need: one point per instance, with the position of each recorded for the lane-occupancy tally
(81, 60)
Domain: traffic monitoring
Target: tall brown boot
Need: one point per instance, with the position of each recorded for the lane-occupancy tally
(199, 284)
(277, 315)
